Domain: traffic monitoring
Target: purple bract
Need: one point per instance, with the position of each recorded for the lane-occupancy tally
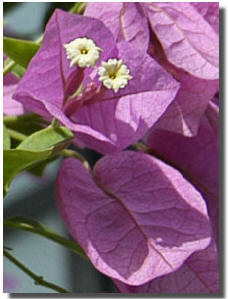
(10, 106)
(136, 217)
(102, 119)
(147, 220)
(197, 159)
(183, 38)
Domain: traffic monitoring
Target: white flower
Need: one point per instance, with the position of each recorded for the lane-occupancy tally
(114, 74)
(83, 52)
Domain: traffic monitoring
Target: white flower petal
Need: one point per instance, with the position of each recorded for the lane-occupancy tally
(114, 74)
(83, 52)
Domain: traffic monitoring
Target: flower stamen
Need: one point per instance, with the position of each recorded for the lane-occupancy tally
(114, 74)
(83, 52)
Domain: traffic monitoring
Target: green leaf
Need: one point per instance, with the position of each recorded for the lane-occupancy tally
(21, 51)
(26, 124)
(6, 138)
(16, 160)
(46, 138)
(36, 148)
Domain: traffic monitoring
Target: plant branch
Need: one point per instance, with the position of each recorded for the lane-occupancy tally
(9, 67)
(55, 123)
(39, 229)
(40, 39)
(74, 154)
(37, 278)
(78, 8)
(140, 146)
(16, 135)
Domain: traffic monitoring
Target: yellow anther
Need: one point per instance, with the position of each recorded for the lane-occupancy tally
(84, 51)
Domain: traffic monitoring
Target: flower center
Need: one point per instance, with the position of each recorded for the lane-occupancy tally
(82, 52)
(114, 74)
(112, 77)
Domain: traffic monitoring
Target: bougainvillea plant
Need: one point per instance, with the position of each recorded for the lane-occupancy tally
(139, 84)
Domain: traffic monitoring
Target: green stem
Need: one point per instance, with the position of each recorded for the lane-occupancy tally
(7, 248)
(39, 40)
(140, 146)
(36, 228)
(37, 278)
(16, 135)
(78, 8)
(9, 67)
(74, 154)
(55, 123)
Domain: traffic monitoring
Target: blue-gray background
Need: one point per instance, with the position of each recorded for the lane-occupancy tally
(33, 197)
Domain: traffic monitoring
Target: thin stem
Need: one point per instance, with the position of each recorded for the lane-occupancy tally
(39, 40)
(55, 123)
(74, 154)
(78, 8)
(37, 278)
(74, 8)
(36, 228)
(7, 248)
(9, 67)
(16, 135)
(140, 146)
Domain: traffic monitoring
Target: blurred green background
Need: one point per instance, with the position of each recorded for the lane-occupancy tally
(33, 197)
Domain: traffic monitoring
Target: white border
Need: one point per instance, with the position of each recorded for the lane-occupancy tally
(223, 5)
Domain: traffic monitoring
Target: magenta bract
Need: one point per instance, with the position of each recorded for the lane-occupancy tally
(199, 274)
(49, 77)
(184, 114)
(197, 158)
(210, 12)
(187, 39)
(127, 21)
(10, 106)
(183, 38)
(136, 217)
(101, 119)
